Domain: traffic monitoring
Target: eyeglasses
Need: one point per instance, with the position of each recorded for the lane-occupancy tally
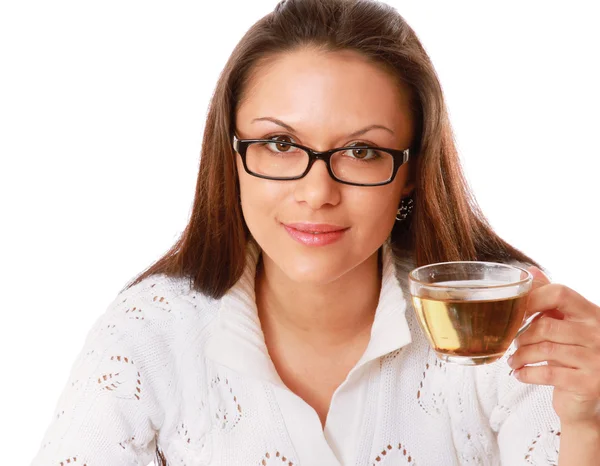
(272, 159)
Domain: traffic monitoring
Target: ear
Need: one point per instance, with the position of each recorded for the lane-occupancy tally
(407, 189)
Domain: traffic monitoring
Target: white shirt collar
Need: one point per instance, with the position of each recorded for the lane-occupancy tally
(237, 340)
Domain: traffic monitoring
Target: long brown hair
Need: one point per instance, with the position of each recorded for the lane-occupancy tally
(447, 224)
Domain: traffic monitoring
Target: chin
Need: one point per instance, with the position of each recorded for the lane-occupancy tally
(312, 276)
(315, 267)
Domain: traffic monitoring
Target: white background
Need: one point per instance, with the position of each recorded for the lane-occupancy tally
(102, 108)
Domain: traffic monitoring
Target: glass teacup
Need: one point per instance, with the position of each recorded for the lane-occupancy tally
(470, 311)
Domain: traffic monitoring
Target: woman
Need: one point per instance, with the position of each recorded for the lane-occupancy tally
(278, 329)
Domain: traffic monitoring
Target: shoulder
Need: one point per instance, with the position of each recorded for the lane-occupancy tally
(164, 298)
(158, 307)
(129, 372)
(151, 333)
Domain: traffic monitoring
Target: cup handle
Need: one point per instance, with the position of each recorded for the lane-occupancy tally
(528, 322)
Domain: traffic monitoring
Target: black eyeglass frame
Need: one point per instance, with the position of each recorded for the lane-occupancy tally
(400, 157)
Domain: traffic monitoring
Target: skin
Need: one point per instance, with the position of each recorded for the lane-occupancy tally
(317, 304)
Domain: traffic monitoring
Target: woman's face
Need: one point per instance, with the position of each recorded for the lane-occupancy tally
(324, 97)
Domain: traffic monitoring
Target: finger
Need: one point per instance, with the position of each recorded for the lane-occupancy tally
(563, 378)
(560, 331)
(568, 302)
(577, 357)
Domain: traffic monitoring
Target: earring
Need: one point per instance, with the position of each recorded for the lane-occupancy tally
(406, 208)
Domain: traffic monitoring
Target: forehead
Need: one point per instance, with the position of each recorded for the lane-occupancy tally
(321, 93)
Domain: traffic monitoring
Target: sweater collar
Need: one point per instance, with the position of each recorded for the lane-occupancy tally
(237, 340)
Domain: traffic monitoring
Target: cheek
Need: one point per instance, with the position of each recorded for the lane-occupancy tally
(377, 225)
(374, 209)
(259, 198)
(374, 213)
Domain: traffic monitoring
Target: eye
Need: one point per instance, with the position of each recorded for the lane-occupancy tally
(274, 147)
(362, 154)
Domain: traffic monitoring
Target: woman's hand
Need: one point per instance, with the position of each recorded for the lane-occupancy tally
(567, 336)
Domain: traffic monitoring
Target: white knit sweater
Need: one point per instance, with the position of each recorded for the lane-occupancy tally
(167, 366)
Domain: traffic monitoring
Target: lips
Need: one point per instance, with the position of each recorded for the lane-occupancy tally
(315, 227)
(315, 234)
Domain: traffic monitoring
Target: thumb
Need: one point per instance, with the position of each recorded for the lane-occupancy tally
(539, 277)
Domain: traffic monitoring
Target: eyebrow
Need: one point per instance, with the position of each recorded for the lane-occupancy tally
(353, 135)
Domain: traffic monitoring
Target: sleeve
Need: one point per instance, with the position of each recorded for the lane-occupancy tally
(107, 412)
(527, 427)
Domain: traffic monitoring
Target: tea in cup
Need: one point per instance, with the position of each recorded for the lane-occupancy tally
(470, 311)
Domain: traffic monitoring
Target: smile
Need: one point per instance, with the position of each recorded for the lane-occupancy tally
(315, 234)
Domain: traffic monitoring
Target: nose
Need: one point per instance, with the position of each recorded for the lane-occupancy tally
(317, 188)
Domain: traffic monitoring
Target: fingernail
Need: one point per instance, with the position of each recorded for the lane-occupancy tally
(517, 374)
(509, 362)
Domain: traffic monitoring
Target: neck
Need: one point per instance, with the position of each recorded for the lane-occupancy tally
(327, 316)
